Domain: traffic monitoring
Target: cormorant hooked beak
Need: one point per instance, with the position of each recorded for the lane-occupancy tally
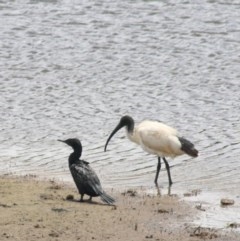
(118, 127)
(62, 141)
(73, 142)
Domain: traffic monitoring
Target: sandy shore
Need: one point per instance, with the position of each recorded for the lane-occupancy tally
(38, 210)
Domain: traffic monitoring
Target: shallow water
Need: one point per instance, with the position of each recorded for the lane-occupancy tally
(72, 69)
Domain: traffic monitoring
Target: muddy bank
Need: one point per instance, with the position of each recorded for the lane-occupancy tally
(38, 210)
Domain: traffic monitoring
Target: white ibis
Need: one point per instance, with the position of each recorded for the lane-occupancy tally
(83, 175)
(156, 138)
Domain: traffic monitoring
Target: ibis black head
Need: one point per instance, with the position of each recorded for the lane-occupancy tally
(124, 121)
(73, 142)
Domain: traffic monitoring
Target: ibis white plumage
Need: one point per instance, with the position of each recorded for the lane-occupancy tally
(156, 138)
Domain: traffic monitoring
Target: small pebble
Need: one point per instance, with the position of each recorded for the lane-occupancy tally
(234, 225)
(226, 201)
(149, 236)
(69, 197)
(162, 211)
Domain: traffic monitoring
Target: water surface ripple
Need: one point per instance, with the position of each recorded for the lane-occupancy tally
(73, 68)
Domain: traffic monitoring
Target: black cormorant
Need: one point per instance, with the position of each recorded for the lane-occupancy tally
(83, 175)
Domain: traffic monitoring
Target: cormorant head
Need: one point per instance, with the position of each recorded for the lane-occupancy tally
(124, 121)
(73, 142)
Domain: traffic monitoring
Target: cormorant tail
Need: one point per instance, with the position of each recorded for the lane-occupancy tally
(106, 198)
(188, 147)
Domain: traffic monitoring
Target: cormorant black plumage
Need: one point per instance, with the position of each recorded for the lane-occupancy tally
(83, 175)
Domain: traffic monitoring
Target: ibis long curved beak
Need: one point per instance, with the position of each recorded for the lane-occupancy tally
(118, 127)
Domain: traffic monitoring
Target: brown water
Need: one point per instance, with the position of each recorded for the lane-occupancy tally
(72, 69)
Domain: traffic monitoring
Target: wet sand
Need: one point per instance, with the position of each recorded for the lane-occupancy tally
(39, 210)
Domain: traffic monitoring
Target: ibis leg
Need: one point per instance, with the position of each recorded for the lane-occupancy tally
(158, 189)
(168, 171)
(158, 170)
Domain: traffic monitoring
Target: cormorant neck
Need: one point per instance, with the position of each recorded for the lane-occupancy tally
(75, 156)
